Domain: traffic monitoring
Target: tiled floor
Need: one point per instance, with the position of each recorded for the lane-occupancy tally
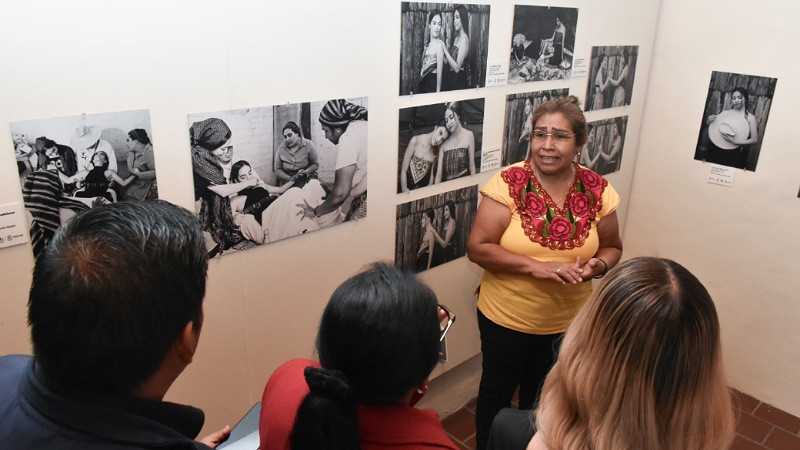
(761, 426)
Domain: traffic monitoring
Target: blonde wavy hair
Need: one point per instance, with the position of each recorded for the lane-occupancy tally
(640, 367)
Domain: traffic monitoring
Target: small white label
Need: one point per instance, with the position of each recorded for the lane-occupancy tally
(490, 159)
(497, 74)
(721, 175)
(579, 68)
(12, 225)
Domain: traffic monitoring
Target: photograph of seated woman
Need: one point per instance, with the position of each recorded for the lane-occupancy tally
(735, 119)
(378, 341)
(640, 367)
(417, 167)
(544, 228)
(296, 159)
(542, 43)
(456, 156)
(142, 165)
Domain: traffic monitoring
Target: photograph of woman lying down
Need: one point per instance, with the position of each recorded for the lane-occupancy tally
(69, 164)
(266, 174)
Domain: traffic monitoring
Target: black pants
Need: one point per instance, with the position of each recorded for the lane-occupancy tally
(511, 359)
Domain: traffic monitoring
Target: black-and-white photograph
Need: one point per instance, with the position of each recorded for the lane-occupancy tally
(602, 152)
(734, 119)
(542, 43)
(439, 142)
(269, 173)
(443, 47)
(68, 164)
(611, 73)
(518, 124)
(433, 230)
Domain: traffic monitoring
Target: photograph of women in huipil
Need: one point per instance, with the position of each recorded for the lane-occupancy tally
(542, 43)
(69, 164)
(443, 47)
(544, 229)
(433, 230)
(734, 119)
(438, 143)
(611, 73)
(518, 126)
(269, 173)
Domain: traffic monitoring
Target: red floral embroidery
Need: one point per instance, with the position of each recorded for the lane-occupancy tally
(545, 222)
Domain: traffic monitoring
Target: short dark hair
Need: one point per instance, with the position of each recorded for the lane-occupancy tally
(113, 291)
(379, 337)
(140, 135)
(291, 126)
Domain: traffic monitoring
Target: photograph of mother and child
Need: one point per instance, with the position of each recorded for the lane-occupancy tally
(269, 173)
(439, 142)
(69, 164)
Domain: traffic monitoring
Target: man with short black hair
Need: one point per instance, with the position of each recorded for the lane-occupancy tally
(115, 310)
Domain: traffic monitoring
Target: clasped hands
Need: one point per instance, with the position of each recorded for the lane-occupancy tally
(564, 273)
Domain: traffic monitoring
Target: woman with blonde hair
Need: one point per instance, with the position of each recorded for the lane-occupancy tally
(640, 367)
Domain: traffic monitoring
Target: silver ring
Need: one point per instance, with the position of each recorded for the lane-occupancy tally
(559, 270)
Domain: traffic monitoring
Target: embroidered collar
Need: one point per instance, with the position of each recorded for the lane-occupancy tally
(545, 222)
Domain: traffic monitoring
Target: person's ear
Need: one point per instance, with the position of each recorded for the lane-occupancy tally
(187, 341)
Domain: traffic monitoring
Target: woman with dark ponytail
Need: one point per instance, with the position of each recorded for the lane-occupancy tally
(378, 342)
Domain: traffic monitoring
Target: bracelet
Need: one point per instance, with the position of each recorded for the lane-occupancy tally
(605, 269)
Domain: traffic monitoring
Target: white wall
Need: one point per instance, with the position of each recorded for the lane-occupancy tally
(192, 56)
(741, 241)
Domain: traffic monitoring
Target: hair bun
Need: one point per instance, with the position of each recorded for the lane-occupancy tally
(328, 383)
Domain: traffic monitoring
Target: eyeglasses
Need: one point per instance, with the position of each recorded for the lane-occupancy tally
(446, 319)
(558, 136)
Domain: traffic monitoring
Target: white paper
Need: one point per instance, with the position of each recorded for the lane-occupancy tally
(12, 225)
(579, 67)
(249, 442)
(497, 73)
(490, 159)
(721, 175)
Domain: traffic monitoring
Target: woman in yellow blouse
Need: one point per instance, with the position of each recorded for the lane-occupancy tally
(545, 227)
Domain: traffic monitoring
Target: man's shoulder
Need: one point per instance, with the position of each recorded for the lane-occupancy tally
(12, 367)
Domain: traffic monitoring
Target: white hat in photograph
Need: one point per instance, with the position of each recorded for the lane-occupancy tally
(728, 124)
(85, 136)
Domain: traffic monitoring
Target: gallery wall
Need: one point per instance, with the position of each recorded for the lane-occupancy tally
(182, 57)
(741, 241)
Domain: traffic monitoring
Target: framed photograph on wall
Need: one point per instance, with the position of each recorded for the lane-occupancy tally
(611, 73)
(69, 164)
(434, 230)
(517, 129)
(269, 173)
(734, 119)
(542, 43)
(605, 141)
(439, 142)
(443, 47)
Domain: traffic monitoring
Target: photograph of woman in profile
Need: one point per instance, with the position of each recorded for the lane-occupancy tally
(457, 153)
(456, 76)
(445, 244)
(142, 165)
(433, 56)
(428, 243)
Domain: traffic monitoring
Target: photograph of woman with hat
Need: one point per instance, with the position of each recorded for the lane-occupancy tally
(86, 142)
(735, 116)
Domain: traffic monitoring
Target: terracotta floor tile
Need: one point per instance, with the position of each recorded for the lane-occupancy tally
(741, 443)
(782, 440)
(461, 446)
(778, 417)
(753, 428)
(744, 402)
(472, 404)
(471, 442)
(461, 424)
